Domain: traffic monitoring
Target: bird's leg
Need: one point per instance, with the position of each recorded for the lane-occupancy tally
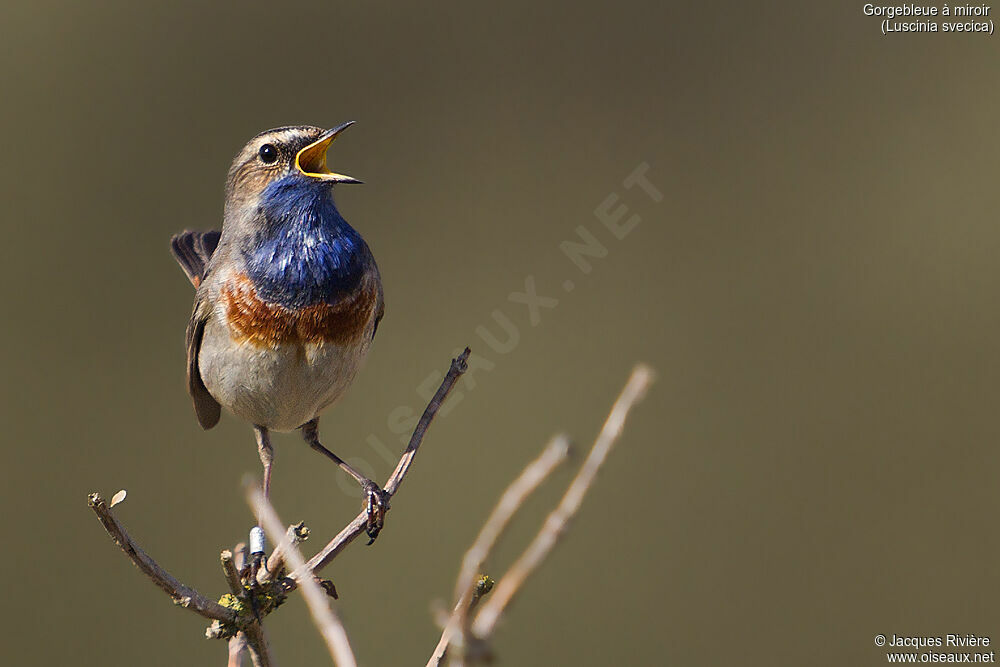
(376, 499)
(266, 451)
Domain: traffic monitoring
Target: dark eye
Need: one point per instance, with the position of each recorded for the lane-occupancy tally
(268, 153)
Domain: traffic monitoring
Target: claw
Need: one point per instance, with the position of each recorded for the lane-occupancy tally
(328, 586)
(376, 504)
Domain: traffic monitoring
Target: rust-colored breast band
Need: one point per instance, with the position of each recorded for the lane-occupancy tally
(269, 325)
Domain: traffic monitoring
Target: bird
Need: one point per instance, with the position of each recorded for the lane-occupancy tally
(288, 298)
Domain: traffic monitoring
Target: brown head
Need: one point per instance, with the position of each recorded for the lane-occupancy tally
(298, 150)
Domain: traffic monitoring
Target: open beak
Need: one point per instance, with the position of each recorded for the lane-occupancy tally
(311, 160)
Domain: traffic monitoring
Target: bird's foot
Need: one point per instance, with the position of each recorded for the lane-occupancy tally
(256, 562)
(376, 504)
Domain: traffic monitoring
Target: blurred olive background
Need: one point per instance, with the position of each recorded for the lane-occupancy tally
(817, 290)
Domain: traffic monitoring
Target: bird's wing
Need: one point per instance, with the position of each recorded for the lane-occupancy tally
(379, 309)
(205, 407)
(192, 250)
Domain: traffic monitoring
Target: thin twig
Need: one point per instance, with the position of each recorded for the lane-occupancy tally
(237, 647)
(232, 576)
(347, 534)
(295, 534)
(326, 619)
(555, 452)
(240, 555)
(556, 522)
(351, 531)
(182, 595)
(481, 587)
(513, 498)
(458, 366)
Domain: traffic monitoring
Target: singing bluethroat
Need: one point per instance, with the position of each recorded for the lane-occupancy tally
(288, 298)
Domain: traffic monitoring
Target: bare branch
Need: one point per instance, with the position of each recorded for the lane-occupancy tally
(240, 555)
(347, 534)
(237, 647)
(513, 498)
(481, 587)
(326, 619)
(458, 366)
(296, 534)
(257, 646)
(182, 595)
(352, 530)
(556, 522)
(232, 576)
(460, 629)
(555, 452)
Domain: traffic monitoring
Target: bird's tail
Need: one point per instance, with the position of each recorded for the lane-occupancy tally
(192, 250)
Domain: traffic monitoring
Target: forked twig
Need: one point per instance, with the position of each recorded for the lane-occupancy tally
(251, 638)
(512, 499)
(555, 524)
(481, 628)
(461, 628)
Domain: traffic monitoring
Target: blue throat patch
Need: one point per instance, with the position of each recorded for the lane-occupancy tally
(307, 253)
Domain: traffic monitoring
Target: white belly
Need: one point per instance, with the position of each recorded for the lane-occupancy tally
(282, 387)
